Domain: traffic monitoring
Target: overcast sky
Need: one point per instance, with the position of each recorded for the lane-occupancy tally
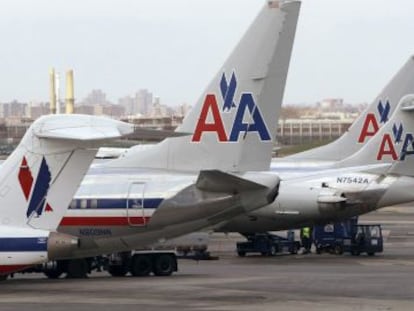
(343, 48)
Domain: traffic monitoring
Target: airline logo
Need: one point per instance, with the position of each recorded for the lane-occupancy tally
(372, 123)
(247, 115)
(389, 143)
(35, 193)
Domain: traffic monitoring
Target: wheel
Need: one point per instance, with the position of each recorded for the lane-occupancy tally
(164, 265)
(53, 270)
(338, 250)
(272, 251)
(141, 265)
(118, 270)
(53, 274)
(241, 253)
(355, 252)
(294, 250)
(77, 269)
(371, 253)
(318, 250)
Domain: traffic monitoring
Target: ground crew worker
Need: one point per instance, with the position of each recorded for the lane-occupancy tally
(305, 238)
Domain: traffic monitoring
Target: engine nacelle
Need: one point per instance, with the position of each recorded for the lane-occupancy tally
(309, 202)
(331, 201)
(60, 245)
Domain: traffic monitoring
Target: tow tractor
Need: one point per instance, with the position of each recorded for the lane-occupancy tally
(348, 236)
(268, 244)
(137, 263)
(160, 260)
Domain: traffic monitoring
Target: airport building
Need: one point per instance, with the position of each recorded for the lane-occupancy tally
(301, 131)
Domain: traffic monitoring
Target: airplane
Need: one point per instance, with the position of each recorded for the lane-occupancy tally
(38, 181)
(133, 227)
(362, 130)
(287, 214)
(133, 215)
(186, 183)
(379, 174)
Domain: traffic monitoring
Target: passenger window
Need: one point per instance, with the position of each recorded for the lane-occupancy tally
(94, 203)
(83, 203)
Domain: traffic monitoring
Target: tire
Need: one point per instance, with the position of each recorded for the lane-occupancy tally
(164, 265)
(54, 270)
(294, 250)
(355, 253)
(53, 274)
(117, 270)
(141, 265)
(371, 253)
(77, 269)
(318, 250)
(272, 251)
(338, 250)
(241, 253)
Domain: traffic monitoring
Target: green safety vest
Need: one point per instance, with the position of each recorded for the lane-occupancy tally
(306, 232)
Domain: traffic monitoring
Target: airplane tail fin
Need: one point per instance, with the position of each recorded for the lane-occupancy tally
(39, 179)
(234, 122)
(369, 122)
(393, 144)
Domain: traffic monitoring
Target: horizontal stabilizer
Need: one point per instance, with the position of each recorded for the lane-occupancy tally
(80, 127)
(218, 181)
(151, 134)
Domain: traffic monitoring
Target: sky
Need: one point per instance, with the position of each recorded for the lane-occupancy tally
(343, 48)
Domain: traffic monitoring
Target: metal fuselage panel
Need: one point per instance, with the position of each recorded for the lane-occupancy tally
(117, 209)
(116, 202)
(301, 201)
(105, 216)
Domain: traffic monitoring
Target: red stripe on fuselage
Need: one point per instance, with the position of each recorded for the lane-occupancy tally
(6, 269)
(103, 221)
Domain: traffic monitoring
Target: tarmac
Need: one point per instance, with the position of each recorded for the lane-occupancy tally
(283, 282)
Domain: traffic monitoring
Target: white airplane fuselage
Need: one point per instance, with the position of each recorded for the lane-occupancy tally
(313, 200)
(117, 210)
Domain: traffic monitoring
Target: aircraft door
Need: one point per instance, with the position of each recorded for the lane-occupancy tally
(135, 204)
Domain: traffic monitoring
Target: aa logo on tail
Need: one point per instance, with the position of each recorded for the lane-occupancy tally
(372, 124)
(35, 194)
(244, 109)
(389, 143)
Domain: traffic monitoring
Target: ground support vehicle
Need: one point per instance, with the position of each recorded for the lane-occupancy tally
(268, 244)
(348, 236)
(137, 263)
